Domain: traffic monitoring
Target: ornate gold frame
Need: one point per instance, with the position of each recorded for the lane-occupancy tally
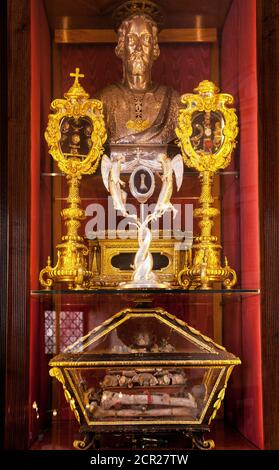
(71, 266)
(205, 268)
(103, 250)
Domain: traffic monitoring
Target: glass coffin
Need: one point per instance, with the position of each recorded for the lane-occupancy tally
(144, 367)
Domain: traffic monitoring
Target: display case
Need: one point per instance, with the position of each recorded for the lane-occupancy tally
(142, 371)
(133, 370)
(144, 368)
(61, 318)
(213, 314)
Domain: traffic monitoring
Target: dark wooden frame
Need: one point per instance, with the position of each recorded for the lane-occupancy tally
(3, 212)
(15, 233)
(268, 80)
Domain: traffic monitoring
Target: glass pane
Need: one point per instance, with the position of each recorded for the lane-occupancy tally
(165, 393)
(137, 336)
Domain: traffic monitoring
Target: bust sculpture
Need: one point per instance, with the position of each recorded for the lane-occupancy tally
(138, 110)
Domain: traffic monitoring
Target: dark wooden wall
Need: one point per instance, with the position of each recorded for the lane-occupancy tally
(15, 210)
(3, 210)
(268, 54)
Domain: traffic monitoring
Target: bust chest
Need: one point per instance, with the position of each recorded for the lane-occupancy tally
(132, 105)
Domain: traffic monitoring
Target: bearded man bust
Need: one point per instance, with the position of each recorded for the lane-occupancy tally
(138, 110)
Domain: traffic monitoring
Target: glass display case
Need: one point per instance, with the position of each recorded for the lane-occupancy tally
(152, 366)
(229, 42)
(141, 370)
(144, 368)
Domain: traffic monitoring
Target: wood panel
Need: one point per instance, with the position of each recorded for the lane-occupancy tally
(268, 50)
(17, 174)
(86, 14)
(103, 36)
(3, 212)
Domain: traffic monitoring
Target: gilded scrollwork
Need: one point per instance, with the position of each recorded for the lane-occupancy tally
(207, 131)
(207, 99)
(62, 108)
(201, 443)
(86, 443)
(220, 396)
(75, 135)
(58, 374)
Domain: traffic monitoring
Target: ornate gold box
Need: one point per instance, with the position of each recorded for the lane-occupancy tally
(111, 257)
(146, 370)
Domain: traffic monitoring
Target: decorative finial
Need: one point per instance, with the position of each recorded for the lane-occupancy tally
(76, 90)
(138, 7)
(207, 88)
(77, 75)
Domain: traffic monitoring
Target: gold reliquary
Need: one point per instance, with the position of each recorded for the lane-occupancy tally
(142, 370)
(111, 257)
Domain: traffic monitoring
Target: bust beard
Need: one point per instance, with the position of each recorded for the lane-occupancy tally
(137, 65)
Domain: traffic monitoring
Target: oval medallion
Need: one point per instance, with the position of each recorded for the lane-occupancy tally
(142, 183)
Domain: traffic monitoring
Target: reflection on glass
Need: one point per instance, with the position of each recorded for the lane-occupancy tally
(139, 335)
(144, 393)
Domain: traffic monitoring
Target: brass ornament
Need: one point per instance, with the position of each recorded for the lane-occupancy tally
(105, 256)
(86, 443)
(220, 396)
(75, 135)
(202, 444)
(138, 125)
(58, 374)
(207, 132)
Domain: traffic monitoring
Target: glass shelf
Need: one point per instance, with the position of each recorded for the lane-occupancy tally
(186, 172)
(143, 296)
(175, 291)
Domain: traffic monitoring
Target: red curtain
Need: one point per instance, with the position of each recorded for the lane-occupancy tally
(181, 66)
(40, 206)
(241, 226)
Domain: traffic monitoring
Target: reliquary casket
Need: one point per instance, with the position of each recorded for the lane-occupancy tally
(144, 369)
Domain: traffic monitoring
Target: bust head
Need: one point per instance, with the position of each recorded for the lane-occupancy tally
(139, 111)
(137, 48)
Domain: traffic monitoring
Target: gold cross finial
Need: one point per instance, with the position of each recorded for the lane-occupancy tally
(76, 90)
(77, 75)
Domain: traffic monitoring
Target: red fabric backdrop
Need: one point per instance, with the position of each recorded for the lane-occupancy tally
(40, 205)
(242, 333)
(181, 66)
